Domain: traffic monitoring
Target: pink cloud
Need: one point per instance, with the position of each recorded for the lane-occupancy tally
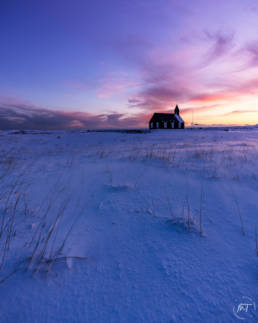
(235, 112)
(204, 108)
(212, 97)
(110, 88)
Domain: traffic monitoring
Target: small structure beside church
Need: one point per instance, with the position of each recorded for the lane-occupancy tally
(167, 120)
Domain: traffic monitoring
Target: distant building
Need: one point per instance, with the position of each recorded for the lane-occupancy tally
(167, 120)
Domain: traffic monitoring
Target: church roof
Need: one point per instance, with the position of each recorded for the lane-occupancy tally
(163, 116)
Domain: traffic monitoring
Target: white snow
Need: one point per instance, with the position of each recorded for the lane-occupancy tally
(179, 119)
(119, 215)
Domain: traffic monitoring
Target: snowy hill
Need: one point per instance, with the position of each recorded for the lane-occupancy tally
(128, 227)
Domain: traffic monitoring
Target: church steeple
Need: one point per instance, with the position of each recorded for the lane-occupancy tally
(177, 110)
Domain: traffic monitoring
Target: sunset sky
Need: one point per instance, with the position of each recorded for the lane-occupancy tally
(112, 63)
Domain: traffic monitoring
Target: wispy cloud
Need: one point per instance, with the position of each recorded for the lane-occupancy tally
(252, 51)
(237, 112)
(173, 76)
(106, 85)
(221, 44)
(198, 109)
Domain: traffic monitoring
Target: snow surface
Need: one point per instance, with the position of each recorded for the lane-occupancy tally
(178, 118)
(133, 202)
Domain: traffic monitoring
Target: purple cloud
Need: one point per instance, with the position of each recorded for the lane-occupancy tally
(252, 51)
(24, 116)
(221, 44)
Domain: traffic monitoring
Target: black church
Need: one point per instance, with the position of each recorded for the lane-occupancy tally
(167, 120)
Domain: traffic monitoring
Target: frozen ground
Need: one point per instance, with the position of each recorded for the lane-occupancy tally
(116, 227)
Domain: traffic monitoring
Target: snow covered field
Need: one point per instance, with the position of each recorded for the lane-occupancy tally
(121, 227)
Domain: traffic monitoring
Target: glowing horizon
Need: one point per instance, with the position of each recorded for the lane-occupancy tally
(96, 65)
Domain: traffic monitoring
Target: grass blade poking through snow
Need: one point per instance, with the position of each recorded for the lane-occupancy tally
(240, 216)
(201, 209)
